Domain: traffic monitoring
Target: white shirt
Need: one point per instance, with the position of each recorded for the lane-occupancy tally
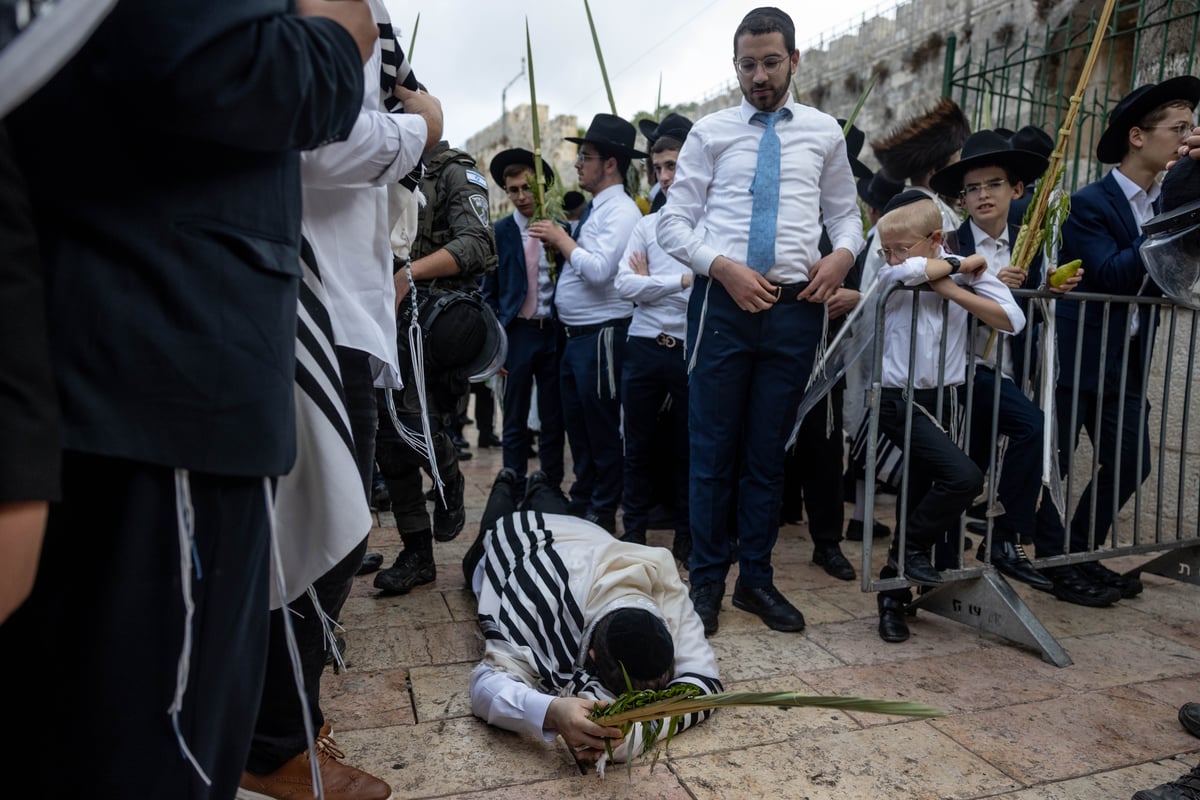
(1141, 203)
(545, 288)
(998, 254)
(346, 221)
(586, 294)
(709, 211)
(897, 325)
(661, 301)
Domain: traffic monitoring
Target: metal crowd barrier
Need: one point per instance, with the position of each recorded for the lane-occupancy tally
(1160, 518)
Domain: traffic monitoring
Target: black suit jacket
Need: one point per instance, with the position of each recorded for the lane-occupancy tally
(1102, 232)
(1033, 280)
(164, 172)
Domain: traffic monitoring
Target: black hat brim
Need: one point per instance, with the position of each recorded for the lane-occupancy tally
(1114, 142)
(1027, 167)
(649, 129)
(609, 146)
(517, 155)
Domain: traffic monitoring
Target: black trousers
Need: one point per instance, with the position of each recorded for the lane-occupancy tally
(942, 479)
(813, 470)
(89, 665)
(279, 730)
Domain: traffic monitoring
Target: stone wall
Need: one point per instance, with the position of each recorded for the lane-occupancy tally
(516, 130)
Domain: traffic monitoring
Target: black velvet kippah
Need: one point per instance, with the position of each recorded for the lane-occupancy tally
(641, 642)
(905, 198)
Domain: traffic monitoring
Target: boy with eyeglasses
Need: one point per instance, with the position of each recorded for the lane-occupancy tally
(989, 177)
(1145, 131)
(942, 480)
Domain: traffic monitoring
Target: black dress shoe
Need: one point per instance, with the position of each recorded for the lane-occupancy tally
(770, 606)
(1189, 718)
(371, 563)
(854, 530)
(1072, 586)
(487, 440)
(892, 625)
(1127, 585)
(1010, 559)
(459, 441)
(706, 599)
(634, 537)
(917, 567)
(381, 500)
(834, 562)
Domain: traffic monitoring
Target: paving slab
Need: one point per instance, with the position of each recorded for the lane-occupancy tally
(1016, 728)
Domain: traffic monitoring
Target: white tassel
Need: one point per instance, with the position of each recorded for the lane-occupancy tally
(185, 518)
(421, 443)
(700, 328)
(289, 635)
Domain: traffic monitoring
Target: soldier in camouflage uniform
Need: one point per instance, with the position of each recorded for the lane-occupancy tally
(453, 249)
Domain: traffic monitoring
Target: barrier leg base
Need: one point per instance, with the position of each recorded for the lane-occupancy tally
(1181, 565)
(988, 603)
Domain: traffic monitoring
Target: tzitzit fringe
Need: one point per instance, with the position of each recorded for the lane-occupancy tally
(185, 519)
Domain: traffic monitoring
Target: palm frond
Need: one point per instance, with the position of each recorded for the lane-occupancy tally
(681, 706)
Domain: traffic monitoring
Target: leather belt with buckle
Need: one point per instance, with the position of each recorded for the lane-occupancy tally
(666, 340)
(789, 291)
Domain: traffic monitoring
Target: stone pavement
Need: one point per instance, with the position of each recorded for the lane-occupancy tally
(1016, 728)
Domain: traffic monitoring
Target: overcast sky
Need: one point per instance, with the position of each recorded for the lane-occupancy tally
(467, 51)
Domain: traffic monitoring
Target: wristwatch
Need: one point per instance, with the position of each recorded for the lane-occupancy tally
(953, 262)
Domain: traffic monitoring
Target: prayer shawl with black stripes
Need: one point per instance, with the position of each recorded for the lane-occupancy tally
(403, 198)
(320, 507)
(548, 579)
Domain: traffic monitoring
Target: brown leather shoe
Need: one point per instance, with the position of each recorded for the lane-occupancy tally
(293, 781)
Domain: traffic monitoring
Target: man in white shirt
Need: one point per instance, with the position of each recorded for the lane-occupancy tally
(566, 610)
(594, 316)
(655, 375)
(757, 306)
(1144, 132)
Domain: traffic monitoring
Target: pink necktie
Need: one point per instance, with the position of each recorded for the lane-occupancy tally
(533, 253)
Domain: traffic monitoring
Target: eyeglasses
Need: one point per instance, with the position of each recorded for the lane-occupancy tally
(973, 189)
(900, 253)
(589, 157)
(516, 191)
(770, 64)
(1181, 130)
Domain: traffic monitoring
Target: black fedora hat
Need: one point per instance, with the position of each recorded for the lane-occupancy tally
(1114, 143)
(674, 125)
(987, 148)
(1033, 139)
(611, 133)
(855, 139)
(517, 155)
(878, 189)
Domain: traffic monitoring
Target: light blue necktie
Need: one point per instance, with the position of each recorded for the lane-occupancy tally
(760, 254)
